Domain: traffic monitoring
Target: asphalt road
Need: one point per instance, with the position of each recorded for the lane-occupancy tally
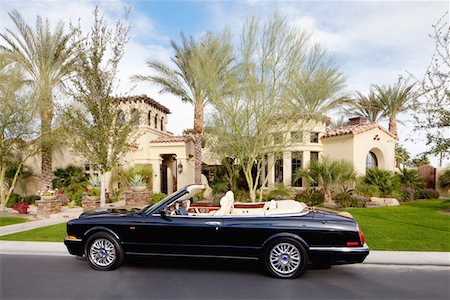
(61, 277)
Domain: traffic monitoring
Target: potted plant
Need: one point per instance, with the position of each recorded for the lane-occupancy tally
(49, 194)
(137, 183)
(93, 192)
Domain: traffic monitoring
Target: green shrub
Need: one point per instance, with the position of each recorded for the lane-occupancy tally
(426, 194)
(280, 193)
(444, 179)
(410, 178)
(407, 194)
(77, 196)
(343, 199)
(93, 192)
(155, 198)
(311, 197)
(385, 180)
(115, 195)
(241, 196)
(220, 188)
(31, 199)
(13, 199)
(367, 190)
(71, 176)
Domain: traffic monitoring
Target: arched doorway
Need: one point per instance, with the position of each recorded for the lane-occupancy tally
(375, 159)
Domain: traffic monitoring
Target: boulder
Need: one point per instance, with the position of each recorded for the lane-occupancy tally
(383, 201)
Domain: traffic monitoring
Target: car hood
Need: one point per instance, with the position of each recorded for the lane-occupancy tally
(110, 212)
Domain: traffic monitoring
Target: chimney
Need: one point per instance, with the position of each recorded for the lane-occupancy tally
(357, 121)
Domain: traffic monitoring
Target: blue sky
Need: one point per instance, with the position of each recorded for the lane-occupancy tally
(373, 41)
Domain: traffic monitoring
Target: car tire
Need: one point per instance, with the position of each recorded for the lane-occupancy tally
(103, 252)
(285, 258)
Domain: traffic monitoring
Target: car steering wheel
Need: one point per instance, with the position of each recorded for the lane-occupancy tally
(181, 210)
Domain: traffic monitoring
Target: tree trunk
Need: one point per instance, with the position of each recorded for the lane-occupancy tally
(46, 167)
(198, 158)
(2, 188)
(46, 115)
(328, 200)
(102, 190)
(393, 124)
(198, 129)
(253, 195)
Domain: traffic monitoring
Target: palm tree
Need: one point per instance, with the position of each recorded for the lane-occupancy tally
(328, 174)
(197, 77)
(395, 99)
(47, 58)
(368, 106)
(317, 84)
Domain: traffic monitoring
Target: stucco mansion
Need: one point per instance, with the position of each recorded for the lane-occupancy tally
(172, 157)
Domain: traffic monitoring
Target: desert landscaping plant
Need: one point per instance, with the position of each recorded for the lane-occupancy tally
(328, 174)
(432, 110)
(384, 180)
(98, 134)
(444, 179)
(137, 180)
(200, 67)
(17, 126)
(47, 57)
(251, 124)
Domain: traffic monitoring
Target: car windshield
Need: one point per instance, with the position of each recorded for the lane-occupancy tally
(146, 209)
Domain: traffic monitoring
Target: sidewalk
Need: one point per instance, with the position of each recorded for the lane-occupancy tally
(375, 257)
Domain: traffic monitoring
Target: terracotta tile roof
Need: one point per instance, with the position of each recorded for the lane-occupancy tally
(172, 139)
(356, 129)
(146, 99)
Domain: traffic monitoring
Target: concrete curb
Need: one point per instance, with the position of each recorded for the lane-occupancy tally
(415, 258)
(408, 258)
(33, 248)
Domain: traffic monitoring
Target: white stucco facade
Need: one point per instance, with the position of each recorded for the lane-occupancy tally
(171, 158)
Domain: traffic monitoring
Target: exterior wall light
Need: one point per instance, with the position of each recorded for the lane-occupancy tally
(180, 168)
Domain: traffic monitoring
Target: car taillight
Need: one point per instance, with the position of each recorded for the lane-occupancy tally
(361, 236)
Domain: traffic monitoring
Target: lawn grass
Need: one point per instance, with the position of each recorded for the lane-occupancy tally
(5, 221)
(53, 233)
(415, 226)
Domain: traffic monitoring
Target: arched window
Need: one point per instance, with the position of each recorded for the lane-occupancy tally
(156, 121)
(371, 160)
(162, 123)
(150, 118)
(121, 117)
(135, 116)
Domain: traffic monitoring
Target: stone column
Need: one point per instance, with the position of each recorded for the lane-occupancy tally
(137, 199)
(45, 207)
(156, 166)
(287, 168)
(305, 164)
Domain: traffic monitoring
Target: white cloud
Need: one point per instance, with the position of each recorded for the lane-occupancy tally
(137, 51)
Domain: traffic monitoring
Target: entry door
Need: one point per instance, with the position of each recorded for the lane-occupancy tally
(164, 178)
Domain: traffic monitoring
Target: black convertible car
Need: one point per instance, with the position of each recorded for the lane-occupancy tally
(285, 235)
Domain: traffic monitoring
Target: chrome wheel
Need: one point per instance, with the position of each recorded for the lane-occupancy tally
(285, 258)
(102, 252)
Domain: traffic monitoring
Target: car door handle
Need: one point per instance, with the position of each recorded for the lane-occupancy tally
(212, 223)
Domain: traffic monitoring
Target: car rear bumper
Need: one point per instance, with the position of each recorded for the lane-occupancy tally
(338, 255)
(75, 246)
